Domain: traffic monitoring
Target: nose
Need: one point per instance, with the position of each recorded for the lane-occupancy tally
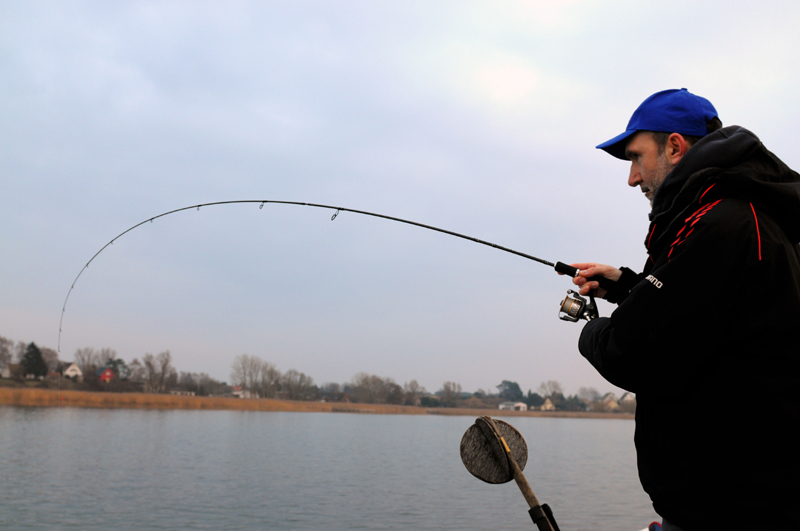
(635, 176)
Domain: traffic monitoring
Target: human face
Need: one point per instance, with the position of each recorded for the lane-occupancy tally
(649, 164)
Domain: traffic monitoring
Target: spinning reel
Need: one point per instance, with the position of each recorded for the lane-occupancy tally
(574, 308)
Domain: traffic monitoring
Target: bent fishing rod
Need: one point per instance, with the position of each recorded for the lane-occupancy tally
(573, 308)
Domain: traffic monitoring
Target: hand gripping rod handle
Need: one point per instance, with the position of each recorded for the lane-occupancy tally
(566, 269)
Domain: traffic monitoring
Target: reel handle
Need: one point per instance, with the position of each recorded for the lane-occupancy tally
(566, 269)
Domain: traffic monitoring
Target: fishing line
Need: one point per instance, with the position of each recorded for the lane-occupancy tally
(560, 267)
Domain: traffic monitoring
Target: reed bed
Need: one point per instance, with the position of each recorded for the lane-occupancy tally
(27, 397)
(86, 399)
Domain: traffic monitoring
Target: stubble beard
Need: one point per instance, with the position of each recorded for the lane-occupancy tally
(663, 168)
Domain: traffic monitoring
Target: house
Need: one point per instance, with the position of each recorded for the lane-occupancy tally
(238, 392)
(105, 374)
(548, 405)
(610, 402)
(177, 392)
(513, 406)
(73, 372)
(7, 371)
(626, 398)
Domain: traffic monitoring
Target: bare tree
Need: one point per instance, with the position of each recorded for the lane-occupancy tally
(394, 393)
(208, 386)
(157, 371)
(105, 356)
(137, 371)
(360, 389)
(189, 381)
(19, 351)
(296, 384)
(151, 376)
(331, 387)
(167, 371)
(246, 371)
(201, 384)
(331, 392)
(451, 392)
(369, 388)
(550, 388)
(50, 357)
(238, 371)
(412, 390)
(171, 380)
(270, 380)
(6, 351)
(85, 359)
(589, 394)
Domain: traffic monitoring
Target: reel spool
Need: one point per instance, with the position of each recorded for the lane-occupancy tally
(574, 308)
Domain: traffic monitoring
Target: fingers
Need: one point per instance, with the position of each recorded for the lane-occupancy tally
(585, 265)
(586, 286)
(587, 270)
(591, 269)
(592, 288)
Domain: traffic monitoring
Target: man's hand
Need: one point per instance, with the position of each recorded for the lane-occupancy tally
(590, 269)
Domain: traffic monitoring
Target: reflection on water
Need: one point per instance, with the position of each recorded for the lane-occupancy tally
(134, 469)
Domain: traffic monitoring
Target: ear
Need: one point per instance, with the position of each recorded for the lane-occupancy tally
(676, 148)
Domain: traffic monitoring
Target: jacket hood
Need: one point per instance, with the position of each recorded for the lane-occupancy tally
(738, 165)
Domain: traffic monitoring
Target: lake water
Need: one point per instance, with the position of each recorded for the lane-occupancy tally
(65, 468)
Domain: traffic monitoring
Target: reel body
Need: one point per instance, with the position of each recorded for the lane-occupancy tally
(574, 308)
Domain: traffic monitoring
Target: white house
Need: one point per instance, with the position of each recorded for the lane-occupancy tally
(513, 406)
(238, 392)
(74, 372)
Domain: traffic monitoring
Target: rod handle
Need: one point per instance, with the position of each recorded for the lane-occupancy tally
(566, 269)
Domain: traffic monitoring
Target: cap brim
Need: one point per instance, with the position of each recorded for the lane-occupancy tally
(616, 146)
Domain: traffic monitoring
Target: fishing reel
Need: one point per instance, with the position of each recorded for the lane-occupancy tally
(574, 308)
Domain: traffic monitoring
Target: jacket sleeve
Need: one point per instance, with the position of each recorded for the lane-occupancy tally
(678, 318)
(620, 289)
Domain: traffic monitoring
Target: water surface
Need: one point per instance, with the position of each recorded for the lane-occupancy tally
(66, 468)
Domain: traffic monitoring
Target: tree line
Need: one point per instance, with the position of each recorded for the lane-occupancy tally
(151, 374)
(254, 377)
(262, 379)
(30, 358)
(586, 399)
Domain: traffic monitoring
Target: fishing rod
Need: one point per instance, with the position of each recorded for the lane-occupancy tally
(573, 309)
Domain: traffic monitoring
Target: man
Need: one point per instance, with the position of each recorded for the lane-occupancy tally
(706, 336)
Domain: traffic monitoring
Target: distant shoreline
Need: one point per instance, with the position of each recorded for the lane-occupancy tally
(22, 397)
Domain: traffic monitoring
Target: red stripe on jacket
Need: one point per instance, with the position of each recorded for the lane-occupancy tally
(758, 232)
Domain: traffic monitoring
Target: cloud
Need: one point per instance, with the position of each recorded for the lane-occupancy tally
(479, 117)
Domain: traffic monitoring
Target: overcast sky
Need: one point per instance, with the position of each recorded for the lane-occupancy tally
(477, 117)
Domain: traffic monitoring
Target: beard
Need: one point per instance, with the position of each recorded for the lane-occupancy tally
(663, 168)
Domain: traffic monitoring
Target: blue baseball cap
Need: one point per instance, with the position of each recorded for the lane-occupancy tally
(668, 111)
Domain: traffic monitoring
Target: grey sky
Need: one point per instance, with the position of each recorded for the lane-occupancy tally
(478, 117)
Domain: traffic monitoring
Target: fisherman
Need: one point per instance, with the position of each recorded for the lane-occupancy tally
(707, 335)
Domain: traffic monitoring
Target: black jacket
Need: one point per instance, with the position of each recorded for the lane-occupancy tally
(708, 337)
